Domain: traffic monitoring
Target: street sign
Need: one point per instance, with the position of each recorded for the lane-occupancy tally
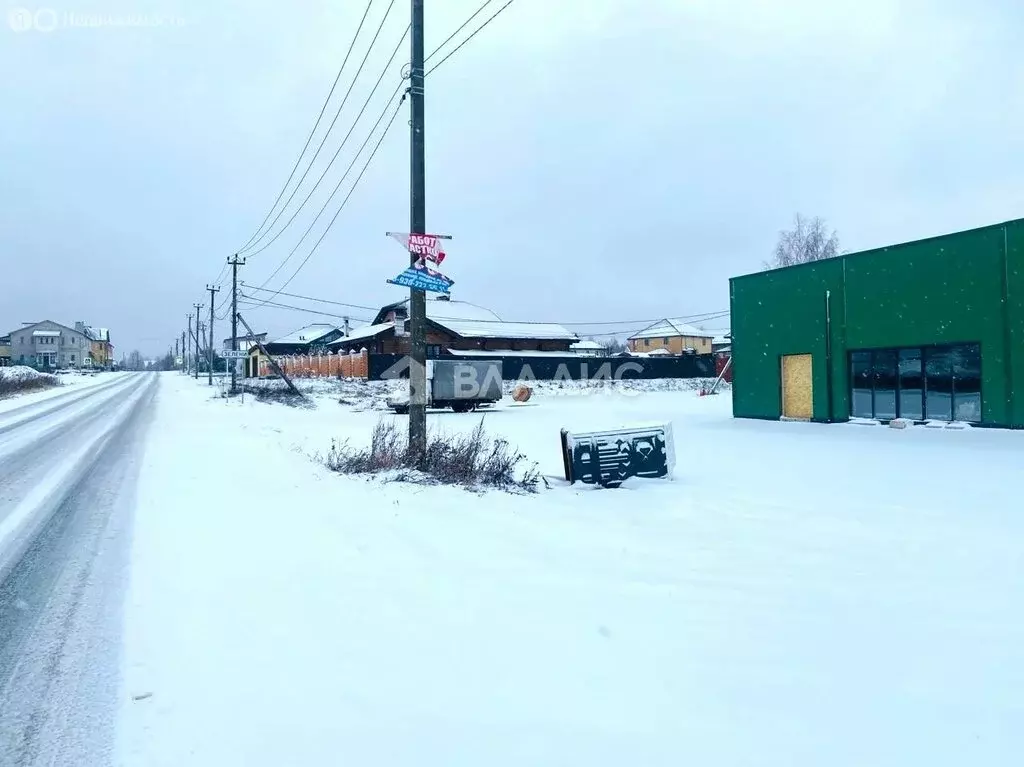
(233, 355)
(422, 277)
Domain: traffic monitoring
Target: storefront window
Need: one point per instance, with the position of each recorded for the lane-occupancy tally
(941, 383)
(967, 383)
(884, 368)
(911, 384)
(938, 368)
(860, 378)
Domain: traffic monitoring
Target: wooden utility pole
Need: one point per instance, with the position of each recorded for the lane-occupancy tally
(417, 225)
(195, 360)
(188, 352)
(270, 360)
(214, 290)
(235, 262)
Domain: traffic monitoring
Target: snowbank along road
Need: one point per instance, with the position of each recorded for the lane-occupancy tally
(66, 493)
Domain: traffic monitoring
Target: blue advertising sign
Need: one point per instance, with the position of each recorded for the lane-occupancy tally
(421, 277)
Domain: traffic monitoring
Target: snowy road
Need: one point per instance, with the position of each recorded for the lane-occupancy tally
(66, 499)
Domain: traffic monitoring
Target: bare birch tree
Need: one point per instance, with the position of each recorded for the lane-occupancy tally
(808, 240)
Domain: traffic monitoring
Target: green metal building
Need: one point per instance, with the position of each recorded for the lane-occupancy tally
(926, 330)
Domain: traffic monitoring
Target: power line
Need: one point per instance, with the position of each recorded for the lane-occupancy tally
(310, 298)
(342, 146)
(344, 202)
(350, 191)
(316, 125)
(705, 316)
(323, 141)
(453, 34)
(254, 303)
(474, 34)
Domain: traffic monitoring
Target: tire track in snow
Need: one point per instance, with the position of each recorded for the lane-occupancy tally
(60, 605)
(9, 420)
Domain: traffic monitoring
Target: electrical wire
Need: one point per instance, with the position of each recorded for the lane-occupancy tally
(310, 298)
(323, 109)
(251, 242)
(251, 303)
(337, 114)
(348, 196)
(705, 316)
(474, 34)
(453, 34)
(254, 304)
(336, 188)
(359, 116)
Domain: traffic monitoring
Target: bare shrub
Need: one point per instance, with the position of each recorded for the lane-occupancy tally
(472, 460)
(275, 391)
(11, 385)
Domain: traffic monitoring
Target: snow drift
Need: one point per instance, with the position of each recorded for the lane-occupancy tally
(20, 379)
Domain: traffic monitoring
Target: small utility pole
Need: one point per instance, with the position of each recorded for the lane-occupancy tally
(235, 262)
(195, 360)
(417, 225)
(188, 352)
(183, 358)
(214, 290)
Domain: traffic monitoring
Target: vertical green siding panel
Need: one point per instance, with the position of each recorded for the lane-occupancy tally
(1015, 316)
(777, 313)
(944, 290)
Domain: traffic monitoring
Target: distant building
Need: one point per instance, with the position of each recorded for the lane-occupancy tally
(49, 345)
(5, 351)
(454, 326)
(721, 344)
(245, 342)
(101, 351)
(674, 337)
(588, 349)
(306, 340)
(926, 331)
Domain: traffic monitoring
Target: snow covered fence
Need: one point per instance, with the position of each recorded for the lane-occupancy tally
(547, 366)
(354, 365)
(20, 379)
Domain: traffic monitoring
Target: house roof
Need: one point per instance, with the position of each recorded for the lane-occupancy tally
(667, 327)
(307, 335)
(363, 332)
(26, 327)
(503, 353)
(471, 321)
(97, 334)
(586, 345)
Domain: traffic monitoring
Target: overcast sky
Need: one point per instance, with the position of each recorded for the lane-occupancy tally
(599, 160)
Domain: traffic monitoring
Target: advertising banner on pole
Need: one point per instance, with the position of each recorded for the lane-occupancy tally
(428, 247)
(422, 277)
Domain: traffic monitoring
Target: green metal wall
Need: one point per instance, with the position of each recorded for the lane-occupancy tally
(957, 288)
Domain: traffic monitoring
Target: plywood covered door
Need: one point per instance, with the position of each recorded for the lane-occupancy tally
(797, 389)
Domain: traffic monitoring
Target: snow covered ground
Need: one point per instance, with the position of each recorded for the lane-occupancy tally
(800, 594)
(63, 384)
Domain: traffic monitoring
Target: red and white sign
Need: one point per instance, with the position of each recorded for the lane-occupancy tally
(428, 247)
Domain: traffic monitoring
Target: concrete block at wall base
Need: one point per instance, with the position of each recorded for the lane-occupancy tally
(899, 423)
